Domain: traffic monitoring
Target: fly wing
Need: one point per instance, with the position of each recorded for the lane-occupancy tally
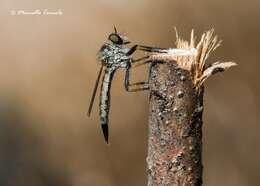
(95, 90)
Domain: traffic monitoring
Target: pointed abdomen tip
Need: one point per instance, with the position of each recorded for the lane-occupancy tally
(105, 132)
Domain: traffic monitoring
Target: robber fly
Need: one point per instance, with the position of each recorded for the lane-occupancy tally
(114, 54)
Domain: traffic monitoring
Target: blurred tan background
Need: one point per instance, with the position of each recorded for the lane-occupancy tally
(47, 72)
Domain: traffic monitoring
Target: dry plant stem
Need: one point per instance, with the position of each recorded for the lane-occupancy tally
(176, 106)
(175, 127)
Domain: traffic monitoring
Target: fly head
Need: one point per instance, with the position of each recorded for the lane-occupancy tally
(114, 53)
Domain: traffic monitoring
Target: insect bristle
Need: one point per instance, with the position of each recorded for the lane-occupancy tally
(115, 29)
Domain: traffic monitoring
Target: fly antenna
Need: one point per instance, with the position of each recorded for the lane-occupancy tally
(115, 29)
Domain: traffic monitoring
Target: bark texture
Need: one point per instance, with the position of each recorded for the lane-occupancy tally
(176, 106)
(175, 127)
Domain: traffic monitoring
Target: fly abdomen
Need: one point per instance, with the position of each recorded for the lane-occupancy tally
(105, 101)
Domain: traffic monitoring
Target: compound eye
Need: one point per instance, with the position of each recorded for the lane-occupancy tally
(115, 38)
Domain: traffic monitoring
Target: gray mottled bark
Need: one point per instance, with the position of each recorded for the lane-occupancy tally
(175, 127)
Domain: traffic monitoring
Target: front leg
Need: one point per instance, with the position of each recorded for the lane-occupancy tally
(134, 87)
(146, 49)
(141, 61)
(152, 49)
(131, 50)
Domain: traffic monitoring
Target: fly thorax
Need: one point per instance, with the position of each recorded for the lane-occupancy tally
(114, 55)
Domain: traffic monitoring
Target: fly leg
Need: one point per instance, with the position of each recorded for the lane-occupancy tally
(141, 61)
(143, 85)
(151, 49)
(146, 49)
(134, 87)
